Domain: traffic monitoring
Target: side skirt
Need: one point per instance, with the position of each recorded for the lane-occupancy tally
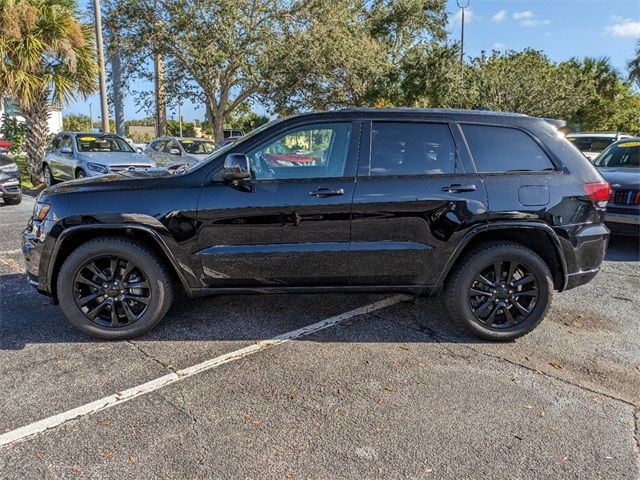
(415, 290)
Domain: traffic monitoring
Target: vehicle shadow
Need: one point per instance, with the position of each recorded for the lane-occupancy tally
(623, 249)
(28, 318)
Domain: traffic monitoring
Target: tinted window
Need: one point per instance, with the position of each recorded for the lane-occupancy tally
(65, 142)
(501, 149)
(198, 147)
(159, 145)
(591, 144)
(411, 149)
(624, 155)
(317, 151)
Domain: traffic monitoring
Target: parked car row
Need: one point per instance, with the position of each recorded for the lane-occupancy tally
(73, 155)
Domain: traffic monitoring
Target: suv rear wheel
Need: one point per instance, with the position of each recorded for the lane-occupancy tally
(114, 288)
(500, 292)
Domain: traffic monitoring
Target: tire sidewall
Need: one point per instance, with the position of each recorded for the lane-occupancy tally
(160, 293)
(531, 261)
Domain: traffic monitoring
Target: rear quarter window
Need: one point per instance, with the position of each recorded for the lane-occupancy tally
(504, 149)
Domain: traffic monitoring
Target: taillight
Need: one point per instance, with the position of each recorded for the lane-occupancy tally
(599, 193)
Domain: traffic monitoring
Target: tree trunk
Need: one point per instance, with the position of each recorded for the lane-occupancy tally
(36, 115)
(116, 80)
(218, 127)
(161, 102)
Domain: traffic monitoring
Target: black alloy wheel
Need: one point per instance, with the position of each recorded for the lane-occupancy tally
(112, 291)
(503, 294)
(499, 291)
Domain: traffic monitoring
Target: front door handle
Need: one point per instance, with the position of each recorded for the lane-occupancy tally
(456, 187)
(326, 192)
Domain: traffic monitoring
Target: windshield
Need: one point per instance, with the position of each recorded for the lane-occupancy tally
(591, 144)
(198, 147)
(624, 155)
(102, 144)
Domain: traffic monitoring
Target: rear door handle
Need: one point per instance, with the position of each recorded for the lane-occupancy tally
(456, 187)
(326, 192)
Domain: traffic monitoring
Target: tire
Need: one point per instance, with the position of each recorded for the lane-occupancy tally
(474, 275)
(80, 173)
(14, 200)
(149, 302)
(48, 176)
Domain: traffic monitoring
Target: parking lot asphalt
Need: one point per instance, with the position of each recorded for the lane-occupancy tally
(396, 393)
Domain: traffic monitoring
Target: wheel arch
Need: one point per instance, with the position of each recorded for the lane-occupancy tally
(538, 237)
(73, 237)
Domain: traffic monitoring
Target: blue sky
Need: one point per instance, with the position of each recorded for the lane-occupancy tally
(561, 28)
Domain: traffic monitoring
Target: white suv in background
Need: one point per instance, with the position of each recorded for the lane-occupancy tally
(592, 144)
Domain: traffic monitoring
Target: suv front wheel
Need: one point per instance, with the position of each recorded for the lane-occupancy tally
(114, 288)
(500, 292)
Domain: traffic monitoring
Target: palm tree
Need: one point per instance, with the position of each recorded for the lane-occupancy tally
(634, 66)
(46, 56)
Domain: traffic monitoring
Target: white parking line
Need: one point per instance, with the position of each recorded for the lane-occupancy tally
(33, 429)
(10, 252)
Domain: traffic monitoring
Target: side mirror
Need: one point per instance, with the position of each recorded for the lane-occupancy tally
(66, 151)
(236, 167)
(175, 151)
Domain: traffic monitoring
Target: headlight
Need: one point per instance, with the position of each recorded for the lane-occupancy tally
(96, 167)
(40, 211)
(11, 168)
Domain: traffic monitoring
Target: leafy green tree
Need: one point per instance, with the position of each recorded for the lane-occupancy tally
(76, 123)
(15, 131)
(634, 66)
(173, 128)
(47, 55)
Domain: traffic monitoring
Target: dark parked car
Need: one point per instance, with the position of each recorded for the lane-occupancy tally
(497, 209)
(10, 182)
(620, 165)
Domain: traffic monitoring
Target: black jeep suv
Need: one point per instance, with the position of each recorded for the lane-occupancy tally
(497, 209)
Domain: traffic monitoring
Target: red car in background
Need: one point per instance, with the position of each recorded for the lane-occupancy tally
(5, 145)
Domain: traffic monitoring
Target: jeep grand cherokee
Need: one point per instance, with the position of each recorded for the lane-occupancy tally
(496, 210)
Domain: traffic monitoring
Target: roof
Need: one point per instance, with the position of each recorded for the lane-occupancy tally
(597, 134)
(433, 111)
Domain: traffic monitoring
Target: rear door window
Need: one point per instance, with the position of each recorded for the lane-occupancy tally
(504, 149)
(411, 148)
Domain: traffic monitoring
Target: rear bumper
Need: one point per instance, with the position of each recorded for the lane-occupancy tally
(584, 249)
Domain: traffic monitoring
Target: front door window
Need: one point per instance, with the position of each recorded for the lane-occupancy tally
(318, 151)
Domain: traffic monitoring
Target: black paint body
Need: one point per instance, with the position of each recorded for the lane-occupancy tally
(389, 233)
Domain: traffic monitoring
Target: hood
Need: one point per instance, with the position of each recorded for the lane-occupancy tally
(622, 177)
(116, 158)
(126, 180)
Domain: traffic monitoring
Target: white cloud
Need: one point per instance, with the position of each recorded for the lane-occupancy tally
(534, 22)
(469, 16)
(499, 46)
(623, 28)
(499, 16)
(527, 19)
(522, 15)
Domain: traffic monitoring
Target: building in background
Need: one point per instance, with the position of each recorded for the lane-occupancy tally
(9, 108)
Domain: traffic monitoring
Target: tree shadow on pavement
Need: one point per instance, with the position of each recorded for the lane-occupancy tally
(27, 317)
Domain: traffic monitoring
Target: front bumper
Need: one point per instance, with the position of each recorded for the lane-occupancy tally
(34, 249)
(623, 223)
(10, 187)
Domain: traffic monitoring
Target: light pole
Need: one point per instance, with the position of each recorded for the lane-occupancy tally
(462, 4)
(104, 108)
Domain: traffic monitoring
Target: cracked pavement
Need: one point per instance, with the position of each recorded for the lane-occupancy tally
(397, 393)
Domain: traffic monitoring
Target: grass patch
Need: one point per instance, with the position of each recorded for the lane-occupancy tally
(21, 160)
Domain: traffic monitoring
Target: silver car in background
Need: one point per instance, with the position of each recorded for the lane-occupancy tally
(74, 155)
(592, 144)
(173, 151)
